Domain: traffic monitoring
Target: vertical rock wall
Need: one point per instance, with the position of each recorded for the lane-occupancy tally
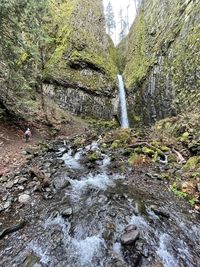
(81, 72)
(163, 59)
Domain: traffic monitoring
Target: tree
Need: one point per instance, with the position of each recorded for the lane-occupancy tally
(123, 25)
(110, 19)
(23, 40)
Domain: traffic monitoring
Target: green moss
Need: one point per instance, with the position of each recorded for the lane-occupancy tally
(193, 163)
(137, 62)
(77, 48)
(184, 137)
(147, 151)
(165, 149)
(94, 156)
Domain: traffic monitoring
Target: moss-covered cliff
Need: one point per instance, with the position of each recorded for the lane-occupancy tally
(162, 59)
(83, 61)
(58, 48)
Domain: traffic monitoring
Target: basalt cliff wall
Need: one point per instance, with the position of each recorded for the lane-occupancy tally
(81, 72)
(162, 57)
(57, 49)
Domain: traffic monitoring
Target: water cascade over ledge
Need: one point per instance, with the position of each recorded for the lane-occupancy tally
(122, 100)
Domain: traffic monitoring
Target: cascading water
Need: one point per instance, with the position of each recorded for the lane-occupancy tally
(122, 100)
(81, 223)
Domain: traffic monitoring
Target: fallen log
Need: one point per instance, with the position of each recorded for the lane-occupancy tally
(180, 159)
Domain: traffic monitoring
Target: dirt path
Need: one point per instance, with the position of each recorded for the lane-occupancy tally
(12, 145)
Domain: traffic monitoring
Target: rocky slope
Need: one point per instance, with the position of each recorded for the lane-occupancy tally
(162, 58)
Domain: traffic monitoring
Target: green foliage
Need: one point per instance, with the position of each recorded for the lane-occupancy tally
(23, 40)
(191, 200)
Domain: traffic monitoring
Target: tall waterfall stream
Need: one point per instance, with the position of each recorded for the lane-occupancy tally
(122, 100)
(81, 221)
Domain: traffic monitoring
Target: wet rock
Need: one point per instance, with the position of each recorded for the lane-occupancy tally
(32, 261)
(130, 227)
(7, 205)
(9, 184)
(19, 225)
(60, 183)
(67, 212)
(24, 198)
(159, 212)
(22, 180)
(130, 237)
(4, 179)
(20, 187)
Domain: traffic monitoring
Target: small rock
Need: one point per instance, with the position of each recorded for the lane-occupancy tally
(22, 180)
(9, 184)
(21, 187)
(7, 205)
(24, 198)
(4, 179)
(67, 212)
(159, 212)
(130, 227)
(130, 237)
(60, 183)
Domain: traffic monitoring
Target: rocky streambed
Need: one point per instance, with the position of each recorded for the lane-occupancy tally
(83, 206)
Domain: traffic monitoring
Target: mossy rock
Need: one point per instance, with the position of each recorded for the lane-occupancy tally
(138, 160)
(94, 156)
(192, 164)
(147, 151)
(172, 158)
(165, 149)
(184, 137)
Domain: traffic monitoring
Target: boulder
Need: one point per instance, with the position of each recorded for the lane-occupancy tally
(24, 198)
(129, 238)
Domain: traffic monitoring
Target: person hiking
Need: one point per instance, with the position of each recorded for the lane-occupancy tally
(27, 134)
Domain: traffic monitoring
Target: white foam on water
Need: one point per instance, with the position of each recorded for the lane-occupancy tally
(58, 221)
(139, 222)
(94, 146)
(100, 181)
(105, 162)
(42, 254)
(72, 161)
(168, 259)
(117, 249)
(88, 248)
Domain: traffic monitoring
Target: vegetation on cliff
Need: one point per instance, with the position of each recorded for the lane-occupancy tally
(54, 41)
(162, 59)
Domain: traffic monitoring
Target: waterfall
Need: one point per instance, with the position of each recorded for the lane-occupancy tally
(122, 100)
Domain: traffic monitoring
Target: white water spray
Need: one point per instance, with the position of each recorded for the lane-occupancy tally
(122, 100)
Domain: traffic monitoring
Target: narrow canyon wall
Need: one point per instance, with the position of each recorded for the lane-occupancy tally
(162, 60)
(81, 72)
(59, 48)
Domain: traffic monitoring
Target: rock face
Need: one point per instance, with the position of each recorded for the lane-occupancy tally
(73, 57)
(81, 72)
(162, 58)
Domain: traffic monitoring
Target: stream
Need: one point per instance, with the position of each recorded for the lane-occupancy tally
(81, 219)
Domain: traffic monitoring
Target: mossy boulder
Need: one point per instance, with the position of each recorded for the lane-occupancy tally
(192, 164)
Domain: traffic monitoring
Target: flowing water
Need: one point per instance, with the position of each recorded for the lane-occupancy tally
(122, 100)
(81, 225)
